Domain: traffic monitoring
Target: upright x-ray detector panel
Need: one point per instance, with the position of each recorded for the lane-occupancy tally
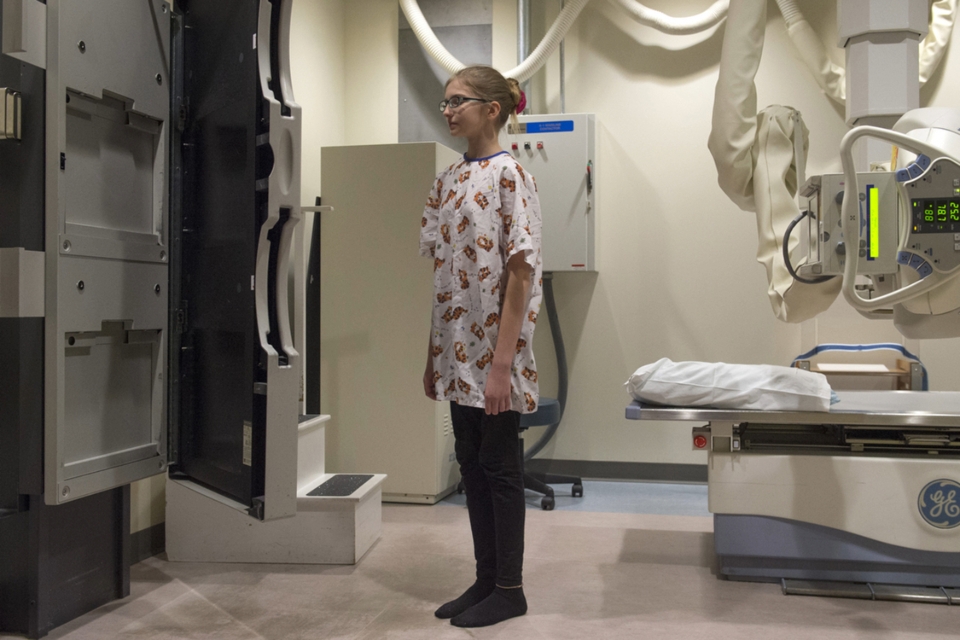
(136, 236)
(150, 155)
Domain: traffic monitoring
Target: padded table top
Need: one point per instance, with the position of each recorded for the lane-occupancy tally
(876, 408)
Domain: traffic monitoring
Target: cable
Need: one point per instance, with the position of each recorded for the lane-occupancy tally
(786, 253)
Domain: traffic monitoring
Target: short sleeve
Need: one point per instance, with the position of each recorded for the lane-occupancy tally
(520, 216)
(428, 224)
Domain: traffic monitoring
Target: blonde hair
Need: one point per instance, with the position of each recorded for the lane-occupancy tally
(489, 84)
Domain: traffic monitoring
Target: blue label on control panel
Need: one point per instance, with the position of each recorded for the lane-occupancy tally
(550, 127)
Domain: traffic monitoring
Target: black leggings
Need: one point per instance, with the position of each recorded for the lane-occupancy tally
(488, 450)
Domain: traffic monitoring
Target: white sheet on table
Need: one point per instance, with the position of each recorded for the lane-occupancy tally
(730, 386)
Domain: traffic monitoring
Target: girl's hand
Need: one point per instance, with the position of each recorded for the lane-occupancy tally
(497, 392)
(428, 387)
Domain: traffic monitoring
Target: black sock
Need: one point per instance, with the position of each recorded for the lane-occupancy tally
(475, 594)
(500, 605)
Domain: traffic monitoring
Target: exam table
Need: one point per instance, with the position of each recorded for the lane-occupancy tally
(861, 501)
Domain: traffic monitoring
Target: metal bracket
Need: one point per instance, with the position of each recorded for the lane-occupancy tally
(916, 376)
(725, 437)
(10, 114)
(256, 508)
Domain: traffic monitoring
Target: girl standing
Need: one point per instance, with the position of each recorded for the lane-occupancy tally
(481, 226)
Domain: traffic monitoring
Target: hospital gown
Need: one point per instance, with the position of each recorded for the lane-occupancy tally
(479, 214)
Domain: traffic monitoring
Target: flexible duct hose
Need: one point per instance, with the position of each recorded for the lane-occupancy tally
(832, 77)
(521, 73)
(733, 134)
(553, 38)
(791, 12)
(759, 159)
(943, 14)
(675, 26)
(829, 76)
(555, 35)
(427, 38)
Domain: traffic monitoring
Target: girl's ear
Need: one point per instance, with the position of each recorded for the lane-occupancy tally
(494, 110)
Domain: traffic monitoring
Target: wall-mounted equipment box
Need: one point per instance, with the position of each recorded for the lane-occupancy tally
(560, 152)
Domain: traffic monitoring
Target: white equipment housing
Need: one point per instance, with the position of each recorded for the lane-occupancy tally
(865, 494)
(375, 294)
(560, 152)
(203, 526)
(906, 224)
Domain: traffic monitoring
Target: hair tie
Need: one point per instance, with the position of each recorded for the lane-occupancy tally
(523, 102)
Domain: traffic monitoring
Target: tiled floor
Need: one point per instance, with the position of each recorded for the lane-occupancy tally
(588, 575)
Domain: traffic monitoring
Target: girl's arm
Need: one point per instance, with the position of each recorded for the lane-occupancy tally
(428, 387)
(516, 289)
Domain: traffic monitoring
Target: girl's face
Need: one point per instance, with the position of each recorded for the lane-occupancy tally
(472, 117)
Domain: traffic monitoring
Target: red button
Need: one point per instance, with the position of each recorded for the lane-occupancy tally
(515, 146)
(700, 442)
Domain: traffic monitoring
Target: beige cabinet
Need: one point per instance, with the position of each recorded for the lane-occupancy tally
(376, 295)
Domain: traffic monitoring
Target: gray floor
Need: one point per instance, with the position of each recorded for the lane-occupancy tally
(588, 574)
(622, 497)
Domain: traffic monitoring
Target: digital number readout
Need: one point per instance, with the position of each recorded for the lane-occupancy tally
(936, 215)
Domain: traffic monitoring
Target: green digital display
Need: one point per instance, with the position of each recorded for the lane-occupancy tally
(936, 215)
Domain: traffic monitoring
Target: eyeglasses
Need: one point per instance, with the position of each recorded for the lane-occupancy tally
(456, 101)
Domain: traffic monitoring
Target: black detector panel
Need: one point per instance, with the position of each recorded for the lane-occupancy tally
(220, 430)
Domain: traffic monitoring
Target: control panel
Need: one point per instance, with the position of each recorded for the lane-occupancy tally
(560, 152)
(932, 191)
(879, 224)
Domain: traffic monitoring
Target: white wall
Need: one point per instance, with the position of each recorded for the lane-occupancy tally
(318, 63)
(372, 84)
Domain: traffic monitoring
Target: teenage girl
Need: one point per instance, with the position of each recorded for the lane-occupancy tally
(481, 226)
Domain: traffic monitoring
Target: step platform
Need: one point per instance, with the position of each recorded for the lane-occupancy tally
(338, 516)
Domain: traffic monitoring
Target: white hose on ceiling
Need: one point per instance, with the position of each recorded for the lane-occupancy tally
(829, 76)
(552, 39)
(832, 77)
(676, 26)
(521, 73)
(734, 128)
(427, 38)
(555, 35)
(943, 14)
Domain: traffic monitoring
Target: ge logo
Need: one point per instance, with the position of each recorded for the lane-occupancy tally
(939, 504)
